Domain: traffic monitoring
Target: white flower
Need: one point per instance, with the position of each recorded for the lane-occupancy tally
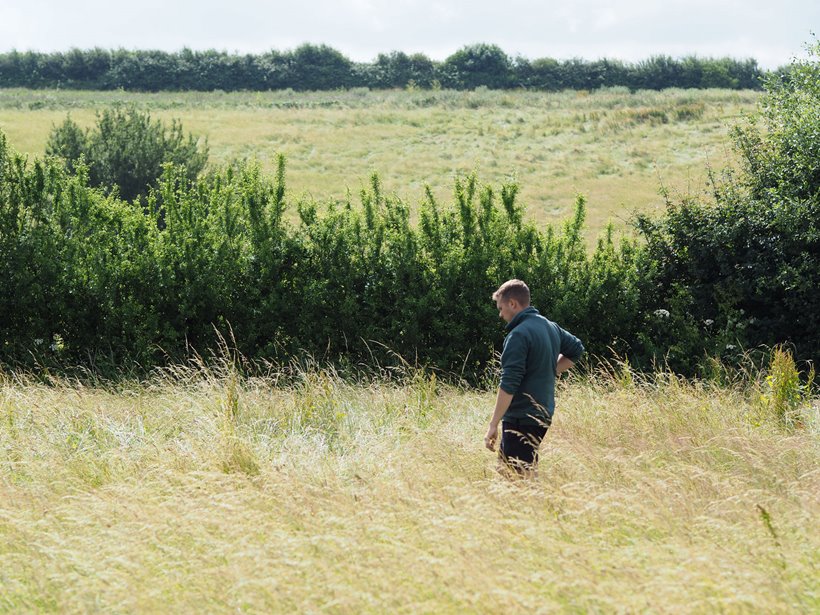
(38, 341)
(661, 313)
(708, 322)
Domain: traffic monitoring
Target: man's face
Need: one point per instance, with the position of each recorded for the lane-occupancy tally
(507, 309)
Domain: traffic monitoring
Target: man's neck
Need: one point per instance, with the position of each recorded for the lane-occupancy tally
(516, 315)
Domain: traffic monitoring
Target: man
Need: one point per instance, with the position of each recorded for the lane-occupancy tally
(535, 351)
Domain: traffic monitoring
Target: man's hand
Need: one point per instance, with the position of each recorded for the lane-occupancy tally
(563, 364)
(491, 437)
(502, 402)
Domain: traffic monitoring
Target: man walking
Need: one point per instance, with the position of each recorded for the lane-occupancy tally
(535, 351)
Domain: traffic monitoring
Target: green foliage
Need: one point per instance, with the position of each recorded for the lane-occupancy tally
(733, 275)
(75, 265)
(399, 70)
(477, 65)
(357, 283)
(319, 67)
(127, 150)
(780, 148)
(88, 278)
(743, 269)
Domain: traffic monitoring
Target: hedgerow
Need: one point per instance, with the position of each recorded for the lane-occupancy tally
(319, 67)
(87, 277)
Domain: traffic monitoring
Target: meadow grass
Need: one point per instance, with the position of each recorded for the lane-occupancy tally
(203, 491)
(615, 146)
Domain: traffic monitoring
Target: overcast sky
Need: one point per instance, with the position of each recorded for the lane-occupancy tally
(771, 31)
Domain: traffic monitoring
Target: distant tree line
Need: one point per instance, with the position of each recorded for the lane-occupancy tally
(319, 67)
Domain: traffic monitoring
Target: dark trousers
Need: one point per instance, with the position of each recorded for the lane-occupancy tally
(519, 445)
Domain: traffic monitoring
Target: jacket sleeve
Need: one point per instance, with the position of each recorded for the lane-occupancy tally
(513, 362)
(571, 346)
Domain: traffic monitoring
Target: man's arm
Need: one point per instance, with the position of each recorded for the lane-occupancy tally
(502, 402)
(513, 366)
(570, 351)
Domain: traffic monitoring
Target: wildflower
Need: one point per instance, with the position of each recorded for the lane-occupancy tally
(661, 313)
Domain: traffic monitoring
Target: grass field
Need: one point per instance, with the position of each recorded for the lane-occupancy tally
(200, 492)
(614, 146)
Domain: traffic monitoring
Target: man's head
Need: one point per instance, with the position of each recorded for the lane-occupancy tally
(510, 298)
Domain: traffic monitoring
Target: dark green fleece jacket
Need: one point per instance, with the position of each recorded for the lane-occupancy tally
(528, 365)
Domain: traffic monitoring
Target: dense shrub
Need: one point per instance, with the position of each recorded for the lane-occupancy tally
(399, 70)
(742, 269)
(75, 266)
(127, 150)
(319, 67)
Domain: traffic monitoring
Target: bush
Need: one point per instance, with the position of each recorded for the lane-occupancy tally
(743, 268)
(127, 150)
(780, 147)
(77, 273)
(86, 277)
(319, 67)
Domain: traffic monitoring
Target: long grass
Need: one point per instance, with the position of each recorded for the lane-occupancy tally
(615, 146)
(204, 491)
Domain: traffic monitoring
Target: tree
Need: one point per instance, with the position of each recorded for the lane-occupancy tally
(127, 150)
(545, 74)
(478, 65)
(319, 67)
(657, 73)
(397, 70)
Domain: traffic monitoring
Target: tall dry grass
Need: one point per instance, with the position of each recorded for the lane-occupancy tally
(205, 491)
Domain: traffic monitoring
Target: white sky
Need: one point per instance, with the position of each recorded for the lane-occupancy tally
(771, 31)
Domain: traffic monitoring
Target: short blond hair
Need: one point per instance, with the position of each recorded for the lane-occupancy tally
(513, 289)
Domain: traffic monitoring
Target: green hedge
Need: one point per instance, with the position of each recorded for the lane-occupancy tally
(319, 67)
(89, 278)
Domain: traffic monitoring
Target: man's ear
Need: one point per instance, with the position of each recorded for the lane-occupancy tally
(513, 304)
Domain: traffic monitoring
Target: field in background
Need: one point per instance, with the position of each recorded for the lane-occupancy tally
(614, 146)
(199, 491)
